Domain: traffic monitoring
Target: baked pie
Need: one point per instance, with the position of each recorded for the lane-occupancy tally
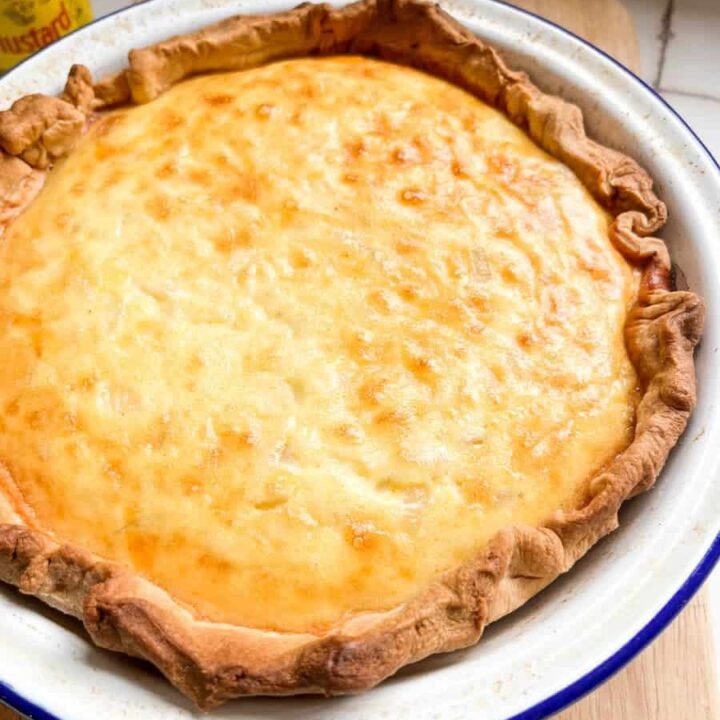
(320, 360)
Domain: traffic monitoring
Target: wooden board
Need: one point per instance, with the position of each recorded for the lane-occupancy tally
(675, 678)
(605, 23)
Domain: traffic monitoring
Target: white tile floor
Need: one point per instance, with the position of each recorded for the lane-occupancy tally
(692, 57)
(680, 50)
(648, 17)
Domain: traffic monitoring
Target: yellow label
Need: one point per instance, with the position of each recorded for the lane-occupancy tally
(28, 25)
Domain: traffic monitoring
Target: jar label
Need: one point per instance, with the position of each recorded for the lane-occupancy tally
(28, 25)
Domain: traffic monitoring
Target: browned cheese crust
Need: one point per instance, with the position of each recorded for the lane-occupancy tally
(211, 662)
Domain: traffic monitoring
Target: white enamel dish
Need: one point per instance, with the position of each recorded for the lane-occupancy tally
(587, 624)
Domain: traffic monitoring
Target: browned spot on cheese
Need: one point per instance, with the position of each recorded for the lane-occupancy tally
(218, 99)
(230, 239)
(392, 417)
(190, 485)
(383, 300)
(407, 247)
(170, 120)
(478, 301)
(201, 176)
(265, 110)
(383, 125)
(237, 439)
(371, 391)
(348, 432)
(240, 186)
(356, 148)
(217, 565)
(108, 124)
(526, 339)
(501, 164)
(410, 292)
(158, 207)
(271, 503)
(499, 372)
(302, 258)
(363, 536)
(413, 196)
(406, 154)
(63, 220)
(459, 170)
(111, 179)
(421, 363)
(105, 150)
(475, 491)
(31, 322)
(167, 170)
(423, 148)
(308, 90)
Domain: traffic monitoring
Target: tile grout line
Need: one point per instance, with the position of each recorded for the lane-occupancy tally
(687, 93)
(665, 36)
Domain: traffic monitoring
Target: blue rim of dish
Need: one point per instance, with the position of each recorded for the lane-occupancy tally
(588, 682)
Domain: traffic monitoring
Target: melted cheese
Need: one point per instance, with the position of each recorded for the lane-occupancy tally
(292, 341)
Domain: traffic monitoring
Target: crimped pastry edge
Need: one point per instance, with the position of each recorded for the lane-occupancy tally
(212, 662)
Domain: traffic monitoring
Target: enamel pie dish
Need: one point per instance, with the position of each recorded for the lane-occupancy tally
(331, 337)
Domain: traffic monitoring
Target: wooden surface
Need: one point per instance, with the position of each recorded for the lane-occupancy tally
(675, 678)
(605, 23)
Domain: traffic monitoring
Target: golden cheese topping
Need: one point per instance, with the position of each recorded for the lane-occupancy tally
(291, 342)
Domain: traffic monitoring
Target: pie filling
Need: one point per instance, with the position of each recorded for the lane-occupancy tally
(291, 342)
